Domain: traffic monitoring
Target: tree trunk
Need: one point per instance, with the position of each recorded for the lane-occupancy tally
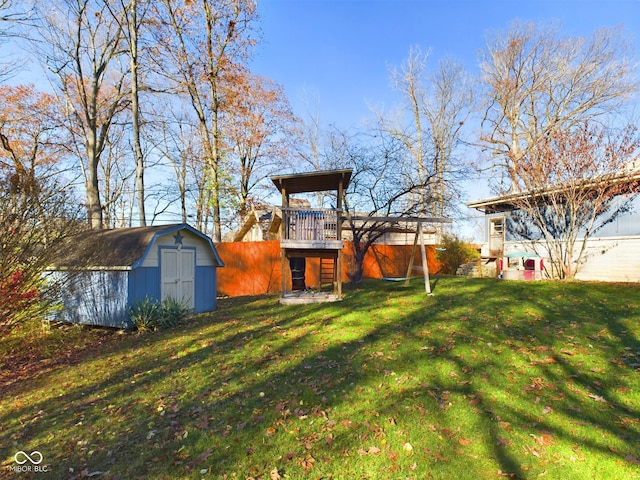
(94, 204)
(135, 111)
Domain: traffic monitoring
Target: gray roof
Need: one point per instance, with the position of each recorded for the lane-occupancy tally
(119, 247)
(322, 181)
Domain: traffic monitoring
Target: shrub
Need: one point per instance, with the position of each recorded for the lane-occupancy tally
(19, 296)
(172, 313)
(454, 252)
(149, 314)
(144, 314)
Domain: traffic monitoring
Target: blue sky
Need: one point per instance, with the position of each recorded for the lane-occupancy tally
(340, 51)
(335, 55)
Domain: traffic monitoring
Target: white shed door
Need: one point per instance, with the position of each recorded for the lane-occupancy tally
(177, 275)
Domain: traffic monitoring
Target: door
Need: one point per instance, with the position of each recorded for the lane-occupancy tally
(177, 273)
(496, 237)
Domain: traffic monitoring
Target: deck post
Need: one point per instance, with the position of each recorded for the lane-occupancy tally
(284, 229)
(425, 265)
(411, 258)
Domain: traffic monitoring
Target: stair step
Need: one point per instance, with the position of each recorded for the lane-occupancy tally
(327, 273)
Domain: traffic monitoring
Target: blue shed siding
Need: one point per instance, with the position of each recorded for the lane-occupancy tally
(96, 298)
(205, 289)
(144, 282)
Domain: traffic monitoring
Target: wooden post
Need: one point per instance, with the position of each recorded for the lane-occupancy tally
(425, 265)
(283, 268)
(337, 271)
(284, 229)
(413, 256)
(338, 274)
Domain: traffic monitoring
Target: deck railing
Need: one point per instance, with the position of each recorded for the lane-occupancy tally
(318, 224)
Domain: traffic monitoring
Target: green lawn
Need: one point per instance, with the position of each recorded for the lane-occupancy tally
(486, 379)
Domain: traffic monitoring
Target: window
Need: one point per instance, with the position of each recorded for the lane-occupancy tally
(497, 226)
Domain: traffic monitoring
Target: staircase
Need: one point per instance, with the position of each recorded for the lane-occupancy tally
(468, 270)
(327, 272)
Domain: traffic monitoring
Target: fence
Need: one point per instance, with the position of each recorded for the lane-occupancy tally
(254, 268)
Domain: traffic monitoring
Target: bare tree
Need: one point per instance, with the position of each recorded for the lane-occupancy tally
(538, 83)
(199, 42)
(12, 14)
(576, 182)
(179, 143)
(257, 130)
(81, 45)
(126, 12)
(429, 124)
(117, 178)
(307, 140)
(382, 185)
(408, 80)
(446, 108)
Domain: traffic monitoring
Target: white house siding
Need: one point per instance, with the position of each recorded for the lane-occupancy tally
(203, 251)
(612, 259)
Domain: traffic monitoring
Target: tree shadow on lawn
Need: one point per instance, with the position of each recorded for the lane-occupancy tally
(76, 402)
(224, 396)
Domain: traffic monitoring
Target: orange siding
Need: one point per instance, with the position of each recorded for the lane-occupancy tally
(253, 268)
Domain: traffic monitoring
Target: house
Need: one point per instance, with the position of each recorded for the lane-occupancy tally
(108, 271)
(262, 223)
(612, 251)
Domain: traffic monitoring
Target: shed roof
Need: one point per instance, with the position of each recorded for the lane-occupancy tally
(323, 181)
(120, 247)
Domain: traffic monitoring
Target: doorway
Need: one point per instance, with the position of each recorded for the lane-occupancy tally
(177, 275)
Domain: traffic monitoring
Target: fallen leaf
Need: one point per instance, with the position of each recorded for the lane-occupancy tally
(441, 457)
(464, 442)
(203, 457)
(632, 459)
(370, 451)
(448, 432)
(545, 439)
(275, 475)
(329, 440)
(291, 455)
(307, 463)
(407, 447)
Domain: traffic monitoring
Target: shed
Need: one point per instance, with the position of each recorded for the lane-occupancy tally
(108, 271)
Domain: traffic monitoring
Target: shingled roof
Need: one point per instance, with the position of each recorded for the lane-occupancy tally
(119, 248)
